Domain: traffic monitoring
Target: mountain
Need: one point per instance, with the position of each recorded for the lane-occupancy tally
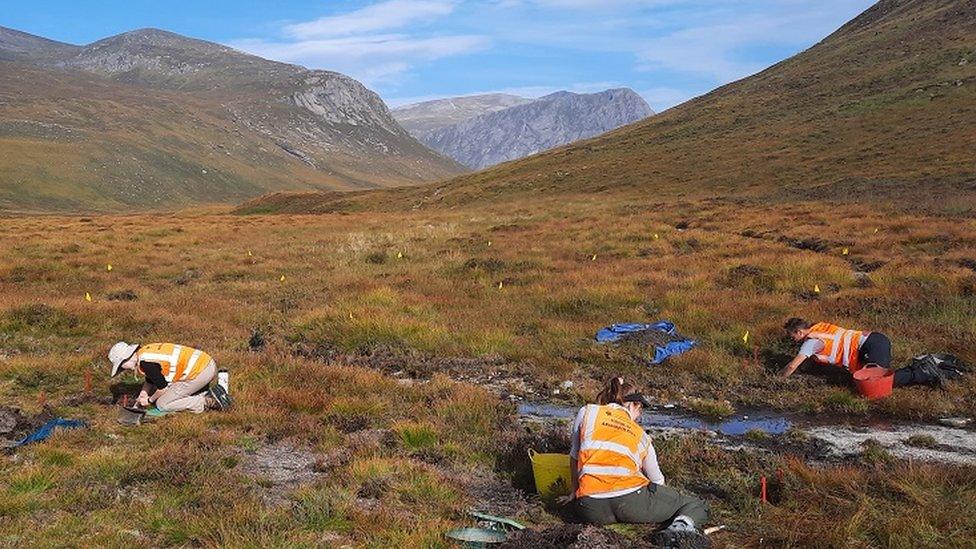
(882, 109)
(150, 118)
(15, 45)
(529, 127)
(422, 118)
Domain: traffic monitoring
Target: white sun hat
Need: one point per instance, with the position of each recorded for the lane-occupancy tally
(119, 353)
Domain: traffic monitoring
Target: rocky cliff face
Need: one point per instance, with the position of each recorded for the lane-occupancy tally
(422, 118)
(525, 129)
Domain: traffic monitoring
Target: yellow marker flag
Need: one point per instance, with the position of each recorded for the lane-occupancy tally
(108, 267)
(88, 297)
(399, 255)
(816, 288)
(489, 243)
(875, 230)
(745, 338)
(249, 254)
(656, 236)
(282, 278)
(350, 316)
(499, 285)
(846, 251)
(593, 258)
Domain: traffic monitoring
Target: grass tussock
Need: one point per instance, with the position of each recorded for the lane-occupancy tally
(528, 305)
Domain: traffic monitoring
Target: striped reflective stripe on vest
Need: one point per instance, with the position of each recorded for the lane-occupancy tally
(611, 447)
(840, 345)
(191, 364)
(606, 470)
(178, 362)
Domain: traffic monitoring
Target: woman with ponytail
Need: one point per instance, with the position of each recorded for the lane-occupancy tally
(616, 477)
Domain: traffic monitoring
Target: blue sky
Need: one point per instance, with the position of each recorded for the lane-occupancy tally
(409, 50)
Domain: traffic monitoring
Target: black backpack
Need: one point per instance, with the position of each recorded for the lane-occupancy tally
(950, 366)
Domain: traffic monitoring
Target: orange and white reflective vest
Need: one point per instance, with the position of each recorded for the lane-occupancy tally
(611, 451)
(840, 345)
(178, 362)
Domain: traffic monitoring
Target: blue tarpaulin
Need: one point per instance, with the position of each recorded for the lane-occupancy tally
(46, 429)
(612, 334)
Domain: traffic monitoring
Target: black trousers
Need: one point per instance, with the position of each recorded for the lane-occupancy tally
(876, 350)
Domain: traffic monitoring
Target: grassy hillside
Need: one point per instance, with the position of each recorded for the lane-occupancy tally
(122, 123)
(883, 108)
(77, 142)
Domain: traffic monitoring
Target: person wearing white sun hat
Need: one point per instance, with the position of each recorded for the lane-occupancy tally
(175, 376)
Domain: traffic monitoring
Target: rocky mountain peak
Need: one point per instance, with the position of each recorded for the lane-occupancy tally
(533, 126)
(428, 116)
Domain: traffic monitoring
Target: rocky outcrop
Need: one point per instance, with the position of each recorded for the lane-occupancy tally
(526, 129)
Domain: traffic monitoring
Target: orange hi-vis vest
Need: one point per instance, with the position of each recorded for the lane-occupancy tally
(611, 451)
(840, 345)
(178, 362)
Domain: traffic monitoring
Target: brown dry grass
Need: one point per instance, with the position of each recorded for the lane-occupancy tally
(429, 282)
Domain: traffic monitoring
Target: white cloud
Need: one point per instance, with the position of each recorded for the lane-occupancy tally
(391, 14)
(355, 43)
(590, 4)
(370, 58)
(671, 49)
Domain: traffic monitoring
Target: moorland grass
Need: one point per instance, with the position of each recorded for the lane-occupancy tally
(179, 481)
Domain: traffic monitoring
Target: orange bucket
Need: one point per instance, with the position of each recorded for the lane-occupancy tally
(874, 382)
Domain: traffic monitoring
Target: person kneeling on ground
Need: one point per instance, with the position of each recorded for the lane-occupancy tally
(175, 376)
(616, 477)
(852, 349)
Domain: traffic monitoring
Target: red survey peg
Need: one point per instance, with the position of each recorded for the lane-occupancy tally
(88, 381)
(762, 489)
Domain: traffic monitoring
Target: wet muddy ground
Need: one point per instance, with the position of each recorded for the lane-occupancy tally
(816, 439)
(573, 536)
(15, 425)
(578, 536)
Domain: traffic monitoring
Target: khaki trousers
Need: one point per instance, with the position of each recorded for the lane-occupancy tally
(179, 396)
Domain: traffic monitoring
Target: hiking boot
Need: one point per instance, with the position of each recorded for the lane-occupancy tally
(219, 394)
(210, 402)
(681, 534)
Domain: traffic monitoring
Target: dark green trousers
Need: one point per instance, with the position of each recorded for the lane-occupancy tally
(651, 504)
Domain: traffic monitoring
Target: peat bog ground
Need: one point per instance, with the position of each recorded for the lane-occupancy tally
(378, 358)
